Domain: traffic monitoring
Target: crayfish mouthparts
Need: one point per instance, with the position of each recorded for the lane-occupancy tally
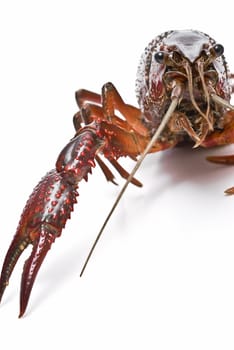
(183, 89)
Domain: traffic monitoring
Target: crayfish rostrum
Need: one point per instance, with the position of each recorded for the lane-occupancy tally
(183, 89)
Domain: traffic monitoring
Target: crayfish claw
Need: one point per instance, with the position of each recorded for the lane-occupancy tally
(228, 159)
(47, 211)
(15, 250)
(229, 191)
(41, 246)
(41, 240)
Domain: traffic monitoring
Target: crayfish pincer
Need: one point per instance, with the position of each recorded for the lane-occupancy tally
(47, 211)
(183, 89)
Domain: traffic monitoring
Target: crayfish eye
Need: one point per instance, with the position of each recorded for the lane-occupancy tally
(218, 49)
(159, 57)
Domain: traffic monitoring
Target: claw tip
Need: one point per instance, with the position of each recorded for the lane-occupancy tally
(20, 314)
(229, 191)
(22, 311)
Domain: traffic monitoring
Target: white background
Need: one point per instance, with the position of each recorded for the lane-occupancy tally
(162, 275)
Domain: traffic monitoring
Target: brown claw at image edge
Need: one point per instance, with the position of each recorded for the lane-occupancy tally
(229, 191)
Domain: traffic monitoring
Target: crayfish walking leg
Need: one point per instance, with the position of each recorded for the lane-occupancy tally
(48, 209)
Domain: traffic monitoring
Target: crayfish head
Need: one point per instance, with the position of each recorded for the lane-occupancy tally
(194, 62)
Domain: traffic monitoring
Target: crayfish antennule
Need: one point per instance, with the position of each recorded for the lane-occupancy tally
(219, 100)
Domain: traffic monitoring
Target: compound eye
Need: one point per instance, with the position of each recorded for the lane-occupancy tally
(160, 57)
(218, 49)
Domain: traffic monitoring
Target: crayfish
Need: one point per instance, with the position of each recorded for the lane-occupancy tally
(183, 89)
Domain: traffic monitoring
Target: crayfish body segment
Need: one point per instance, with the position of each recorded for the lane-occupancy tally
(183, 84)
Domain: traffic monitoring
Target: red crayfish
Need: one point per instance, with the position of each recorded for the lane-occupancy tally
(183, 89)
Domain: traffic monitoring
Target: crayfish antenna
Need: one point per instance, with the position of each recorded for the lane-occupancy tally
(176, 93)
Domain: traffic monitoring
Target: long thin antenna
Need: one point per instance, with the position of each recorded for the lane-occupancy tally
(155, 137)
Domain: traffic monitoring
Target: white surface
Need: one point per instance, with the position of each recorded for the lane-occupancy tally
(162, 275)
